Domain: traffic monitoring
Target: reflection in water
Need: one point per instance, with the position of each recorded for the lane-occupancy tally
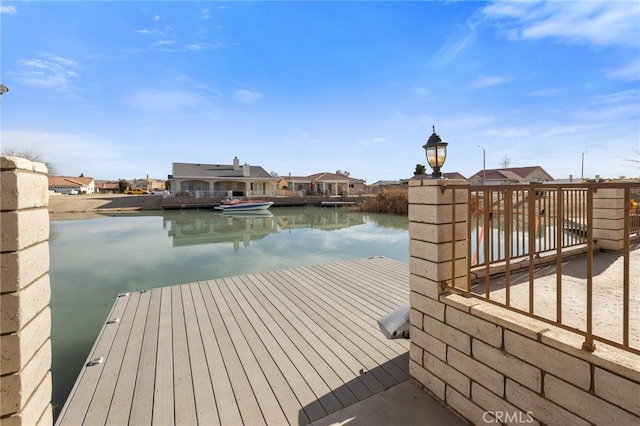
(188, 228)
(493, 239)
(94, 259)
(213, 228)
(322, 219)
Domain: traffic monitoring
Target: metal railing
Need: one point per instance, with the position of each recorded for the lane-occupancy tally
(527, 226)
(205, 194)
(533, 212)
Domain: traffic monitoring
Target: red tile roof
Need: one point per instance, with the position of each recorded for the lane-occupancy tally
(69, 181)
(509, 173)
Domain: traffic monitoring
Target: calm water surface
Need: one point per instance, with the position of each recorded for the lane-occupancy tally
(93, 259)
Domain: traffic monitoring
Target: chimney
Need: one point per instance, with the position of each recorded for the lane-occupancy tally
(246, 170)
(236, 163)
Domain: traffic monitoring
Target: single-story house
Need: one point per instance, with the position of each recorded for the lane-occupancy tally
(387, 183)
(382, 185)
(511, 175)
(65, 184)
(227, 180)
(453, 175)
(322, 184)
(148, 184)
(107, 187)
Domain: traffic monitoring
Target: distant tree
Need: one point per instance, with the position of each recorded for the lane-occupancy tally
(505, 162)
(420, 170)
(81, 174)
(123, 185)
(31, 156)
(342, 172)
(274, 174)
(637, 159)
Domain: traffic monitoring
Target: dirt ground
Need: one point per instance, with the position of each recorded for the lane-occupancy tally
(103, 202)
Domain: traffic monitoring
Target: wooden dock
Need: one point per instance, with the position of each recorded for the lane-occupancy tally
(282, 347)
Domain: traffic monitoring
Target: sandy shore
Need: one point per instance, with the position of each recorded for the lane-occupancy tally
(103, 203)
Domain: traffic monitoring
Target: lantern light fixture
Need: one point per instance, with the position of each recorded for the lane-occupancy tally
(436, 151)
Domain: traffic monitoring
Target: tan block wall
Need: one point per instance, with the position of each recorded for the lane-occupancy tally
(25, 318)
(494, 366)
(20, 268)
(608, 224)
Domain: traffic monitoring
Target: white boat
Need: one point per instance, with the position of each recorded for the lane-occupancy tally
(238, 205)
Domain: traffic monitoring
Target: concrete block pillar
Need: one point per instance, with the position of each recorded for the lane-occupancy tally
(609, 212)
(438, 257)
(25, 319)
(432, 233)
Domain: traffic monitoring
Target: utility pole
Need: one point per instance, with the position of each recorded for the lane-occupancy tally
(582, 172)
(484, 164)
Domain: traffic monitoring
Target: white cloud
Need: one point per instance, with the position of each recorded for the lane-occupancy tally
(629, 71)
(156, 18)
(194, 46)
(49, 71)
(509, 133)
(560, 130)
(143, 31)
(467, 121)
(71, 153)
(611, 114)
(546, 92)
(489, 82)
(10, 10)
(375, 141)
(171, 46)
(421, 91)
(246, 96)
(164, 42)
(624, 96)
(168, 101)
(205, 14)
(454, 46)
(587, 22)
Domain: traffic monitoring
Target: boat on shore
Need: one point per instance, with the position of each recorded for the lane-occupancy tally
(241, 205)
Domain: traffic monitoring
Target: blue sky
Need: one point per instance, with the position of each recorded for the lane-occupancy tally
(123, 89)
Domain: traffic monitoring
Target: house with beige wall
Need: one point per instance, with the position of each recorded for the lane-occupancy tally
(510, 175)
(221, 180)
(323, 183)
(64, 184)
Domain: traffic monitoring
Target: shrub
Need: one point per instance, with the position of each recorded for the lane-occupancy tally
(394, 201)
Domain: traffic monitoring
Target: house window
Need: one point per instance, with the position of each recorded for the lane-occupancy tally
(194, 185)
(351, 185)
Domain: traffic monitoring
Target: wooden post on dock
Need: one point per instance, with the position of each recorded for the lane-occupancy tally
(25, 318)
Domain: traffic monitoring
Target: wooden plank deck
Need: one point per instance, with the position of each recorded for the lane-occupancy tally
(281, 347)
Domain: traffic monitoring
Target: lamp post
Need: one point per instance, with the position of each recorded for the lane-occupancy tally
(484, 164)
(436, 150)
(3, 89)
(582, 169)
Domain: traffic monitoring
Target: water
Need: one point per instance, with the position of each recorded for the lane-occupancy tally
(94, 259)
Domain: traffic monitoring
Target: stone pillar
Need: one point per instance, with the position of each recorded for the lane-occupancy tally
(609, 211)
(431, 232)
(25, 318)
